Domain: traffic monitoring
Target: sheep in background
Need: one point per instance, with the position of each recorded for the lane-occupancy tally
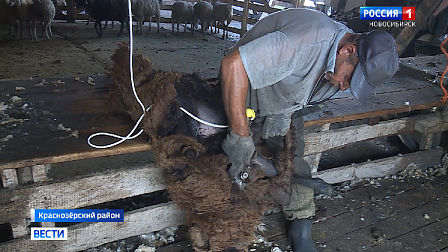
(182, 13)
(23, 11)
(222, 12)
(6, 15)
(43, 11)
(103, 10)
(145, 8)
(204, 12)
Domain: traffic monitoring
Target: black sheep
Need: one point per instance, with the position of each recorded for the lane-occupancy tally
(104, 10)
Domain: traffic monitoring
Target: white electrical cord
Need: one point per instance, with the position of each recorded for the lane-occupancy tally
(129, 135)
(202, 121)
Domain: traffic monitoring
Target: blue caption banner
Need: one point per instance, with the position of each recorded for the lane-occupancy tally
(77, 215)
(381, 13)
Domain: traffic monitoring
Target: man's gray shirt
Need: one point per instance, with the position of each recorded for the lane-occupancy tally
(284, 55)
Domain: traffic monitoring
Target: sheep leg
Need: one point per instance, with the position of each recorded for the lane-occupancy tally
(16, 30)
(158, 23)
(30, 29)
(34, 28)
(227, 30)
(49, 32)
(203, 27)
(128, 26)
(150, 19)
(121, 28)
(21, 30)
(99, 27)
(172, 27)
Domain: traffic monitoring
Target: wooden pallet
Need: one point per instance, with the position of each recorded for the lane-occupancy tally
(26, 158)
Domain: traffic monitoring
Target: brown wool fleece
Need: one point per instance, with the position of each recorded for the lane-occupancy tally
(220, 214)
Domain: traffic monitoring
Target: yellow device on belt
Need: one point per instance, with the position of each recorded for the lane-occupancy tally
(250, 113)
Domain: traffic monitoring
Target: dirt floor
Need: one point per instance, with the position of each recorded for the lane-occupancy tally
(75, 49)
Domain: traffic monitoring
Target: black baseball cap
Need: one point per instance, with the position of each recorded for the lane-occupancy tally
(378, 62)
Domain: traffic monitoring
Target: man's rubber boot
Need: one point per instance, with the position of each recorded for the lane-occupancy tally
(318, 184)
(299, 235)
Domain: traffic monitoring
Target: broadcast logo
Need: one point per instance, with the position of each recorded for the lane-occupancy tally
(48, 234)
(388, 17)
(69, 215)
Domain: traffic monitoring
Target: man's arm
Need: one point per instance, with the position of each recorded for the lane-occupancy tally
(235, 84)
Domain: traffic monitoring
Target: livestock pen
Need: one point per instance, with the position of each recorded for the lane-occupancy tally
(407, 106)
(384, 156)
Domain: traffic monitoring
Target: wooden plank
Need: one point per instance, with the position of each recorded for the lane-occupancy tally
(426, 141)
(364, 194)
(256, 7)
(9, 178)
(88, 235)
(91, 190)
(70, 11)
(381, 167)
(40, 172)
(240, 19)
(352, 230)
(432, 123)
(434, 236)
(45, 146)
(47, 224)
(314, 160)
(422, 13)
(404, 226)
(343, 215)
(327, 140)
(244, 21)
(24, 175)
(314, 143)
(388, 98)
(19, 228)
(93, 153)
(423, 67)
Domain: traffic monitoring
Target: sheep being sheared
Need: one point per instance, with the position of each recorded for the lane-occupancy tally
(220, 213)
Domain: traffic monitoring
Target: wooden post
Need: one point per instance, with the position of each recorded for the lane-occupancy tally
(404, 36)
(9, 178)
(314, 160)
(40, 172)
(70, 11)
(25, 175)
(19, 228)
(47, 224)
(431, 129)
(295, 3)
(245, 17)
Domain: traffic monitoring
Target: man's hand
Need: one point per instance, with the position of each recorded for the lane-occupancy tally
(239, 149)
(276, 125)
